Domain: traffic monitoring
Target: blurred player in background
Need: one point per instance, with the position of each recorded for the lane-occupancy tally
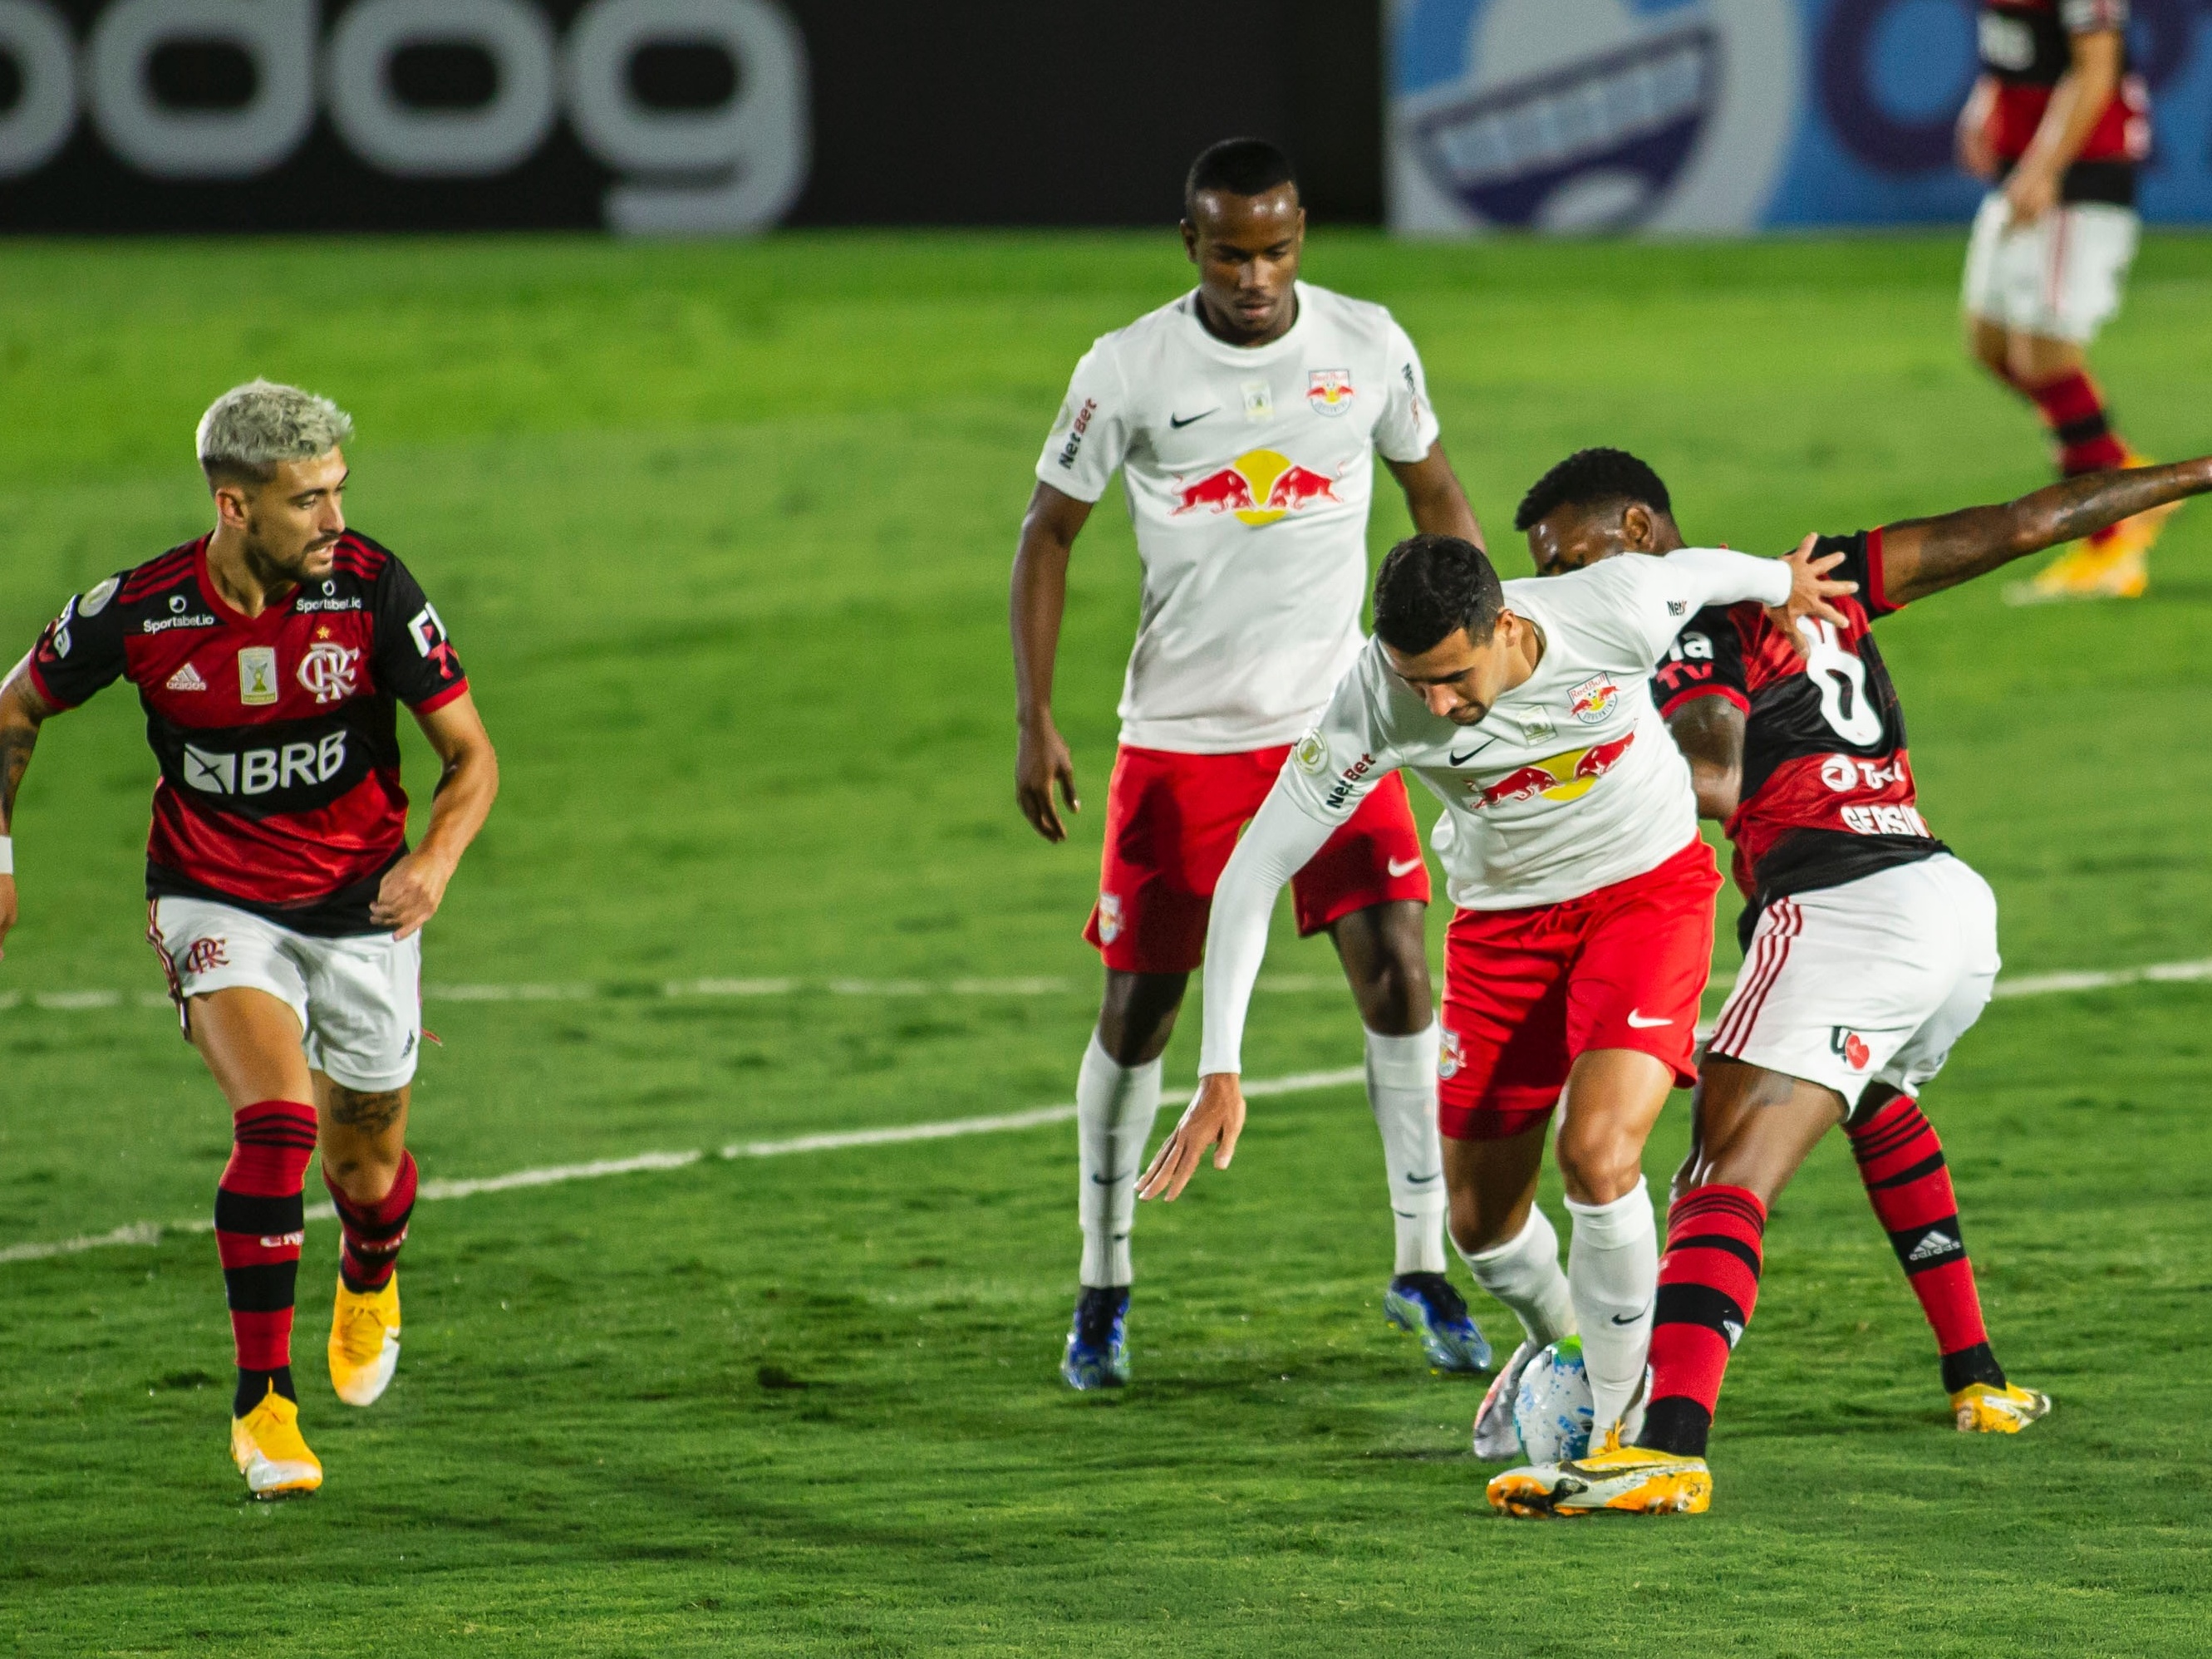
(1869, 948)
(1584, 931)
(1245, 418)
(2057, 124)
(284, 901)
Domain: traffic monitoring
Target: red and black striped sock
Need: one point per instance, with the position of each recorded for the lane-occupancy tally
(373, 1233)
(2080, 423)
(1708, 1285)
(1901, 1161)
(259, 1219)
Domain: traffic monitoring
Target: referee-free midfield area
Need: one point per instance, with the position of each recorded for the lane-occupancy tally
(723, 534)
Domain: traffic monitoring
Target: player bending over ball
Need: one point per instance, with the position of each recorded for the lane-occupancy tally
(1869, 949)
(1245, 419)
(1583, 935)
(2058, 127)
(284, 901)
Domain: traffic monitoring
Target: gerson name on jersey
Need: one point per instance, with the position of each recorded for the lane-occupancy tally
(276, 734)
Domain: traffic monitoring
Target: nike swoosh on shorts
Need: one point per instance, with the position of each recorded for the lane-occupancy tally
(1636, 1018)
(1397, 869)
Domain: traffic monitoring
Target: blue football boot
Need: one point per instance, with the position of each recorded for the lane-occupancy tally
(1427, 1305)
(1098, 1354)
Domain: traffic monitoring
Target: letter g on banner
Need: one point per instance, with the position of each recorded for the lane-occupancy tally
(277, 35)
(733, 167)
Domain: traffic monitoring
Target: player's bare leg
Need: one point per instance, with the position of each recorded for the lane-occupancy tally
(371, 1177)
(1117, 1095)
(1384, 949)
(250, 1041)
(2054, 375)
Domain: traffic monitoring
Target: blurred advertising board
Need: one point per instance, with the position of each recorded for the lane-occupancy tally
(1705, 116)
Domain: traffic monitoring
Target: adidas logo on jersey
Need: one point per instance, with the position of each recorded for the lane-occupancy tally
(186, 678)
(1932, 1244)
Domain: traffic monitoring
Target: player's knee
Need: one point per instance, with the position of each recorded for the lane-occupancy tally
(363, 1177)
(1598, 1163)
(1137, 1016)
(1474, 1228)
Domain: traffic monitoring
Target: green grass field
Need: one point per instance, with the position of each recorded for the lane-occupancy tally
(722, 534)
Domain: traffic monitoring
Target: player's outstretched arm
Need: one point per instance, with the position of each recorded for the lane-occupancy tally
(413, 888)
(1040, 597)
(1276, 847)
(1922, 556)
(1434, 496)
(22, 710)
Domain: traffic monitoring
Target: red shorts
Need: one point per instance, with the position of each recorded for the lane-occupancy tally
(1171, 822)
(1526, 991)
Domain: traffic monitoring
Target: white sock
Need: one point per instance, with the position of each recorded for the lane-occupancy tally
(1612, 1273)
(1114, 1110)
(1523, 1274)
(1402, 1087)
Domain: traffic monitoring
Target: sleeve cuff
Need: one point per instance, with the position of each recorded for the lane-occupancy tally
(1878, 602)
(45, 692)
(1065, 484)
(438, 700)
(1667, 709)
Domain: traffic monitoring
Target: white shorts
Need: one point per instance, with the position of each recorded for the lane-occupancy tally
(1868, 982)
(358, 999)
(2058, 278)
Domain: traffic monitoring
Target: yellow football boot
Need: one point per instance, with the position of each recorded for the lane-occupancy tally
(365, 1342)
(266, 1445)
(1980, 1409)
(1628, 1479)
(2112, 564)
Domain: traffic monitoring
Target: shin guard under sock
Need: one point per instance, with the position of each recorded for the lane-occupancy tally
(1401, 1087)
(1708, 1287)
(1900, 1159)
(374, 1232)
(1114, 1106)
(1524, 1274)
(260, 1221)
(1612, 1266)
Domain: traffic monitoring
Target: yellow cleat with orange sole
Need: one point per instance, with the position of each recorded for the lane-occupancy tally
(365, 1342)
(266, 1445)
(1978, 1408)
(1626, 1480)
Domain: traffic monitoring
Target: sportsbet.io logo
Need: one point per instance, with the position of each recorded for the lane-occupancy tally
(231, 89)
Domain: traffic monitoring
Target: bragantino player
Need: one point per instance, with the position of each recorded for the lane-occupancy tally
(1245, 419)
(2058, 127)
(1870, 947)
(284, 901)
(1582, 937)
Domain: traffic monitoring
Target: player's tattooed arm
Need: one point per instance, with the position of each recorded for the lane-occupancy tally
(1922, 556)
(1435, 497)
(1708, 731)
(21, 711)
(1039, 599)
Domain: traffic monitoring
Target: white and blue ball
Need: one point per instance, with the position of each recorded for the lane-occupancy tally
(1551, 1411)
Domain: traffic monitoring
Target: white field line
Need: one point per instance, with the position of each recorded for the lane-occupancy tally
(149, 1232)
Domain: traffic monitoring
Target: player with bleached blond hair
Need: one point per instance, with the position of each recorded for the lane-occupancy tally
(283, 898)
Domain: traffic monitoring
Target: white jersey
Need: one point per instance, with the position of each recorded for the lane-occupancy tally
(1248, 471)
(1569, 783)
(1572, 782)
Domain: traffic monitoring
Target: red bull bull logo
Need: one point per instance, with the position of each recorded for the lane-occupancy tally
(1558, 777)
(1259, 486)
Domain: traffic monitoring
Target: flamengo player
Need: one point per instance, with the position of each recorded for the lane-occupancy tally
(2058, 125)
(1584, 928)
(285, 903)
(1245, 418)
(1870, 949)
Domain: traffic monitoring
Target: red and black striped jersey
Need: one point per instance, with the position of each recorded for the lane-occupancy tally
(276, 734)
(2026, 47)
(1828, 793)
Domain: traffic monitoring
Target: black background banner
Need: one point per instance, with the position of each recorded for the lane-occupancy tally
(989, 112)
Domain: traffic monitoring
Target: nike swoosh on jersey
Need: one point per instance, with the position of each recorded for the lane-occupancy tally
(1179, 422)
(1461, 760)
(1397, 869)
(1636, 1018)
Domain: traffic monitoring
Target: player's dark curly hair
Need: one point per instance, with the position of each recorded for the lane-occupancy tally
(1241, 167)
(1592, 477)
(1430, 585)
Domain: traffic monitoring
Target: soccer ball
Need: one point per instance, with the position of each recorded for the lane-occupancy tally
(1552, 1412)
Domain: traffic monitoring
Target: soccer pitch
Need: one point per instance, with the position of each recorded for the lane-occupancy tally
(722, 534)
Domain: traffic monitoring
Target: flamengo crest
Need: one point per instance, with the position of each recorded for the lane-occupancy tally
(328, 671)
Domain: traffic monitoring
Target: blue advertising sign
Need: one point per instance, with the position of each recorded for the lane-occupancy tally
(1718, 116)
